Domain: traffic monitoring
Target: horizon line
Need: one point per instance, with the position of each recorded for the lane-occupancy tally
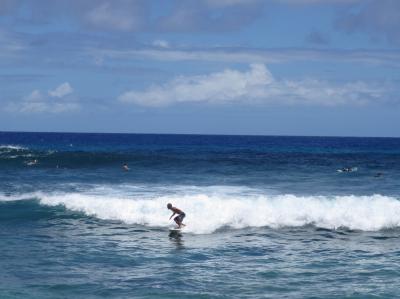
(197, 134)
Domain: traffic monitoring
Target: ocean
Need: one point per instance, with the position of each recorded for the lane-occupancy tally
(266, 216)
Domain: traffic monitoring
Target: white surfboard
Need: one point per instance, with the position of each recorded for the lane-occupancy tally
(175, 229)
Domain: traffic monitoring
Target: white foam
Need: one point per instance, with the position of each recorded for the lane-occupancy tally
(17, 197)
(210, 210)
(9, 147)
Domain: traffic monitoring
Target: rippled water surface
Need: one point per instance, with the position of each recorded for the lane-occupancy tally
(267, 217)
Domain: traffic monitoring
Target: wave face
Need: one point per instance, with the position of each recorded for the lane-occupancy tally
(221, 207)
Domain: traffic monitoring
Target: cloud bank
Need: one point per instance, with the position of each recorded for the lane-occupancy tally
(380, 19)
(55, 101)
(250, 55)
(257, 85)
(61, 91)
(125, 15)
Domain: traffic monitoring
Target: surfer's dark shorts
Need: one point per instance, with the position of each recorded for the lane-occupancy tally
(180, 217)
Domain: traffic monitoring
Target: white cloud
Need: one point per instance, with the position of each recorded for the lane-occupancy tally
(256, 85)
(249, 55)
(44, 107)
(161, 43)
(34, 96)
(123, 15)
(61, 91)
(10, 45)
(56, 101)
(378, 19)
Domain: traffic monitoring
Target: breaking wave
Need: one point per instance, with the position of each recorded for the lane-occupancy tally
(10, 147)
(213, 209)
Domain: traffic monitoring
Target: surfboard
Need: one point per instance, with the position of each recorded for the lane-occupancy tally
(176, 230)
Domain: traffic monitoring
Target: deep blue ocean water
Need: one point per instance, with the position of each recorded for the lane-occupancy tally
(267, 216)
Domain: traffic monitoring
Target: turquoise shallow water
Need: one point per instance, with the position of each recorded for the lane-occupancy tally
(74, 256)
(267, 217)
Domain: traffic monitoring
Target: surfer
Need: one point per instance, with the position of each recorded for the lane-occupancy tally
(348, 169)
(31, 163)
(178, 219)
(125, 167)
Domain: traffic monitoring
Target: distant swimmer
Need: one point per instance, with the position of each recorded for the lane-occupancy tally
(125, 167)
(348, 169)
(31, 163)
(378, 175)
(178, 219)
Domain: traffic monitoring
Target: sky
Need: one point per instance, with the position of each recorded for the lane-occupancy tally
(247, 67)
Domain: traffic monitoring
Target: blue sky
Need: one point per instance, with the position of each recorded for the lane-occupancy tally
(270, 67)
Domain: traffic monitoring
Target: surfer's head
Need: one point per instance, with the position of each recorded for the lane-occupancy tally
(169, 206)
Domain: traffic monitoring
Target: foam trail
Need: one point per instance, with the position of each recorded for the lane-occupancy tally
(17, 197)
(11, 147)
(208, 212)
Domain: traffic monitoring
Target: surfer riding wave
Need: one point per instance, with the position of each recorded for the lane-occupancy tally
(178, 219)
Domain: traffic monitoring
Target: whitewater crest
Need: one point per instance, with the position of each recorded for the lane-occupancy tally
(207, 213)
(11, 147)
(8, 148)
(211, 209)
